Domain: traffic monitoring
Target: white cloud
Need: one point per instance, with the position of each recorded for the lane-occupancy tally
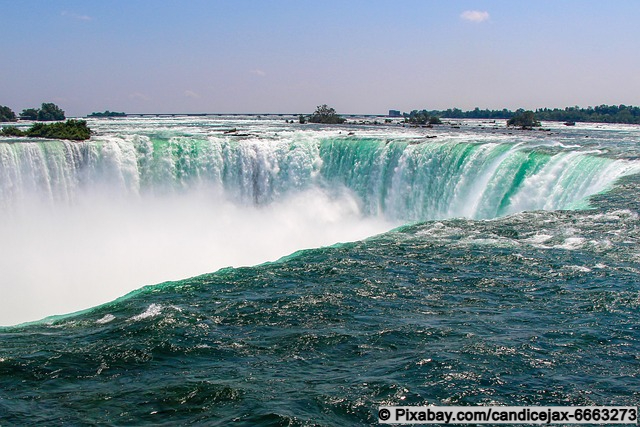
(191, 94)
(474, 15)
(258, 73)
(77, 16)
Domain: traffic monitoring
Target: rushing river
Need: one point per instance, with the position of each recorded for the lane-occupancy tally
(336, 269)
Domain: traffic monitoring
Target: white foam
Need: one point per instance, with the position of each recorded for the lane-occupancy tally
(571, 243)
(538, 239)
(580, 268)
(152, 311)
(106, 319)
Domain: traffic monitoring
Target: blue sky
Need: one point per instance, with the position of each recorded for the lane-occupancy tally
(289, 56)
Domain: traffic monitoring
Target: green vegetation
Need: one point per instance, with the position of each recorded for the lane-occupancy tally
(326, 115)
(456, 113)
(75, 130)
(50, 112)
(108, 113)
(46, 113)
(29, 114)
(12, 131)
(525, 119)
(601, 114)
(7, 115)
(421, 118)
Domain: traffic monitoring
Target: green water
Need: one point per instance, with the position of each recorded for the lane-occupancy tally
(531, 307)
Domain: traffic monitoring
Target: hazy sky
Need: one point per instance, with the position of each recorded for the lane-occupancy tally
(289, 56)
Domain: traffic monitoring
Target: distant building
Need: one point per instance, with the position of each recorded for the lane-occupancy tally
(394, 113)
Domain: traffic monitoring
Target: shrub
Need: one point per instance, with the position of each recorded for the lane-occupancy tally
(75, 130)
(11, 131)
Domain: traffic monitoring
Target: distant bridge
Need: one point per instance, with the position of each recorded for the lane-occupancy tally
(235, 115)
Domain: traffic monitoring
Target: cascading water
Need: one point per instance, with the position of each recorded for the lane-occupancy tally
(139, 205)
(396, 179)
(534, 308)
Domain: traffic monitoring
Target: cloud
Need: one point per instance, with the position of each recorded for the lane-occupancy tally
(474, 15)
(258, 73)
(77, 16)
(191, 94)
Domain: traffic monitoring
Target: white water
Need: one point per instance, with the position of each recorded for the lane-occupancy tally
(84, 223)
(56, 261)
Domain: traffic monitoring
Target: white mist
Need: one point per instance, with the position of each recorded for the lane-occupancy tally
(61, 259)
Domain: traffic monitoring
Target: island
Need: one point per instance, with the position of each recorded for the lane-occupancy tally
(525, 119)
(46, 113)
(323, 114)
(75, 130)
(107, 113)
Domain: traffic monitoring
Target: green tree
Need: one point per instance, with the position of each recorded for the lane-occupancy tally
(418, 117)
(524, 119)
(29, 114)
(6, 114)
(327, 115)
(50, 112)
(46, 113)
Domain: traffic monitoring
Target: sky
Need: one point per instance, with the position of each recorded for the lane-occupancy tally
(360, 57)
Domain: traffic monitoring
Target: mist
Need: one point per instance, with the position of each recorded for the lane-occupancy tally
(58, 259)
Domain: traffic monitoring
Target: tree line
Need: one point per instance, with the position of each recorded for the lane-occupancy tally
(76, 130)
(47, 112)
(602, 114)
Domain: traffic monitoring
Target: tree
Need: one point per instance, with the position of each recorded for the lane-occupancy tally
(50, 112)
(524, 119)
(325, 114)
(422, 118)
(6, 114)
(46, 113)
(29, 114)
(418, 117)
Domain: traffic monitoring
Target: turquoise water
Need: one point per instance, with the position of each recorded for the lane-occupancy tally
(501, 288)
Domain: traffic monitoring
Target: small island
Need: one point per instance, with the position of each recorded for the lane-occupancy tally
(323, 114)
(525, 119)
(47, 112)
(75, 130)
(107, 113)
(422, 118)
